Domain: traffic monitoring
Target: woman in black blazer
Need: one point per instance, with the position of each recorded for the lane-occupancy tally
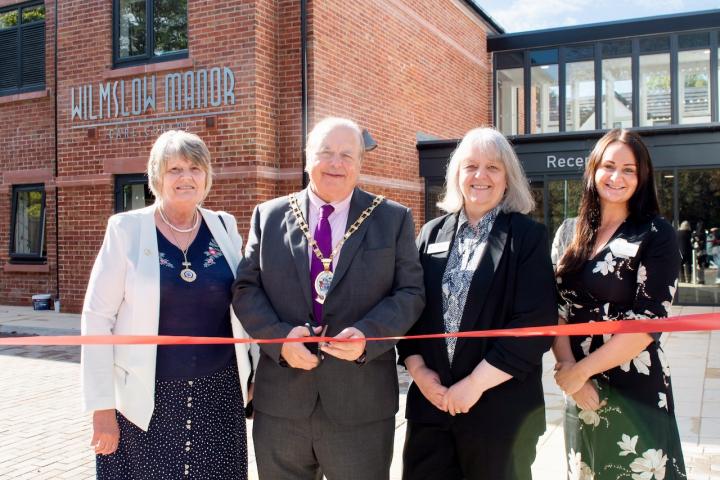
(475, 409)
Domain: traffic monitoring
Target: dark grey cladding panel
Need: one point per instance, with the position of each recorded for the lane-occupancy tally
(670, 149)
(679, 146)
(434, 155)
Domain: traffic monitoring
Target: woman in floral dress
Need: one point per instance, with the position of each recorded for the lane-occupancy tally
(621, 263)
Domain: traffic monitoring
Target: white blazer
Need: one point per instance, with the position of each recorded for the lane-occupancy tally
(123, 298)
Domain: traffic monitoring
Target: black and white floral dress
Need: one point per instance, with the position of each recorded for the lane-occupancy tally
(634, 434)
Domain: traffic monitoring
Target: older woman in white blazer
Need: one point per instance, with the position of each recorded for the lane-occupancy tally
(168, 411)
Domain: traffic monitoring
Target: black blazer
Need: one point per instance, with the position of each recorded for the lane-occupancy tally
(513, 286)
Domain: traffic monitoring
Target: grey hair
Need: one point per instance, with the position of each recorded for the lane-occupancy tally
(488, 141)
(177, 143)
(323, 128)
(685, 225)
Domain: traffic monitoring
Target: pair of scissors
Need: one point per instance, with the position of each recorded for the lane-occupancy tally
(320, 354)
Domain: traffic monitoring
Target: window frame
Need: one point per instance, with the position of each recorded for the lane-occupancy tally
(19, 88)
(40, 257)
(123, 180)
(673, 49)
(149, 56)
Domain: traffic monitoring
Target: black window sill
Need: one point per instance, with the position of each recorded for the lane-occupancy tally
(132, 62)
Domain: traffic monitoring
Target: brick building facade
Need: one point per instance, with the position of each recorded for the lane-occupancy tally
(399, 67)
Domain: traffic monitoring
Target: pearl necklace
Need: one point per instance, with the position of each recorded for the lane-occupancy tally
(180, 230)
(187, 273)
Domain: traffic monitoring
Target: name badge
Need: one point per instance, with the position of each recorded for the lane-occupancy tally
(622, 248)
(438, 247)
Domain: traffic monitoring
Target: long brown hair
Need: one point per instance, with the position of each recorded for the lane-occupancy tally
(642, 205)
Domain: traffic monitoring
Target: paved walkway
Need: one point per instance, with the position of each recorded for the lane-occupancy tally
(43, 434)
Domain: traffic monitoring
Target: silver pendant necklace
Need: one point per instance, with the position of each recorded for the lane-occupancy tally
(186, 273)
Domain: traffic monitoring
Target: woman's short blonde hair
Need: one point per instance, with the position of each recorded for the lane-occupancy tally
(488, 141)
(172, 144)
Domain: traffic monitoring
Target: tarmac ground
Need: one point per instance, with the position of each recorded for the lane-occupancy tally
(44, 434)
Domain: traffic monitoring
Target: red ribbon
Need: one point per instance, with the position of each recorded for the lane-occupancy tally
(682, 323)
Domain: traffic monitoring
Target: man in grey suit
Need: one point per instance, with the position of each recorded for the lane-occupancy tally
(331, 256)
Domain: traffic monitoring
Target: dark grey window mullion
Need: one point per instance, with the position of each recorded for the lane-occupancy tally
(714, 113)
(562, 83)
(495, 109)
(116, 31)
(676, 200)
(527, 97)
(18, 51)
(598, 86)
(149, 29)
(635, 82)
(546, 202)
(21, 60)
(674, 81)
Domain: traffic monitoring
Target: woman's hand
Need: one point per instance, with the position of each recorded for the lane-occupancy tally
(461, 397)
(106, 433)
(570, 377)
(428, 381)
(587, 397)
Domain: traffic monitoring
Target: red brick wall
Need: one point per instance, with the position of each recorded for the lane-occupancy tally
(27, 143)
(400, 67)
(396, 66)
(240, 35)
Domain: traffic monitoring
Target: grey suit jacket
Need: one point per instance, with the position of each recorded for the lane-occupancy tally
(377, 288)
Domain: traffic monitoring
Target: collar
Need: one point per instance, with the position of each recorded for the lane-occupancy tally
(318, 202)
(489, 217)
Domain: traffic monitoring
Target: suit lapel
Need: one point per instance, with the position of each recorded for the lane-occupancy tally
(483, 277)
(359, 202)
(435, 263)
(147, 284)
(298, 244)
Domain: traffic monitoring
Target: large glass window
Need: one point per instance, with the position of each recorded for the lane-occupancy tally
(510, 101)
(617, 93)
(545, 99)
(580, 96)
(27, 237)
(699, 204)
(537, 188)
(694, 86)
(434, 189)
(563, 200)
(664, 180)
(22, 49)
(150, 30)
(132, 192)
(655, 99)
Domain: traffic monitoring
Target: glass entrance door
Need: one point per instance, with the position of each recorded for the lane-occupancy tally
(699, 219)
(563, 201)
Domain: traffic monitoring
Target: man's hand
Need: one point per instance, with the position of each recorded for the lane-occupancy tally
(296, 354)
(106, 433)
(349, 351)
(428, 381)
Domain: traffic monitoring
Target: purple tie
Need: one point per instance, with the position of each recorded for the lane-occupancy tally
(323, 237)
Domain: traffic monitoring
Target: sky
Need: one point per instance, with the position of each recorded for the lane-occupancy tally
(523, 15)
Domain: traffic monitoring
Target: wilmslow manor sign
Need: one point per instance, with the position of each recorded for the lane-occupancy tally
(132, 97)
